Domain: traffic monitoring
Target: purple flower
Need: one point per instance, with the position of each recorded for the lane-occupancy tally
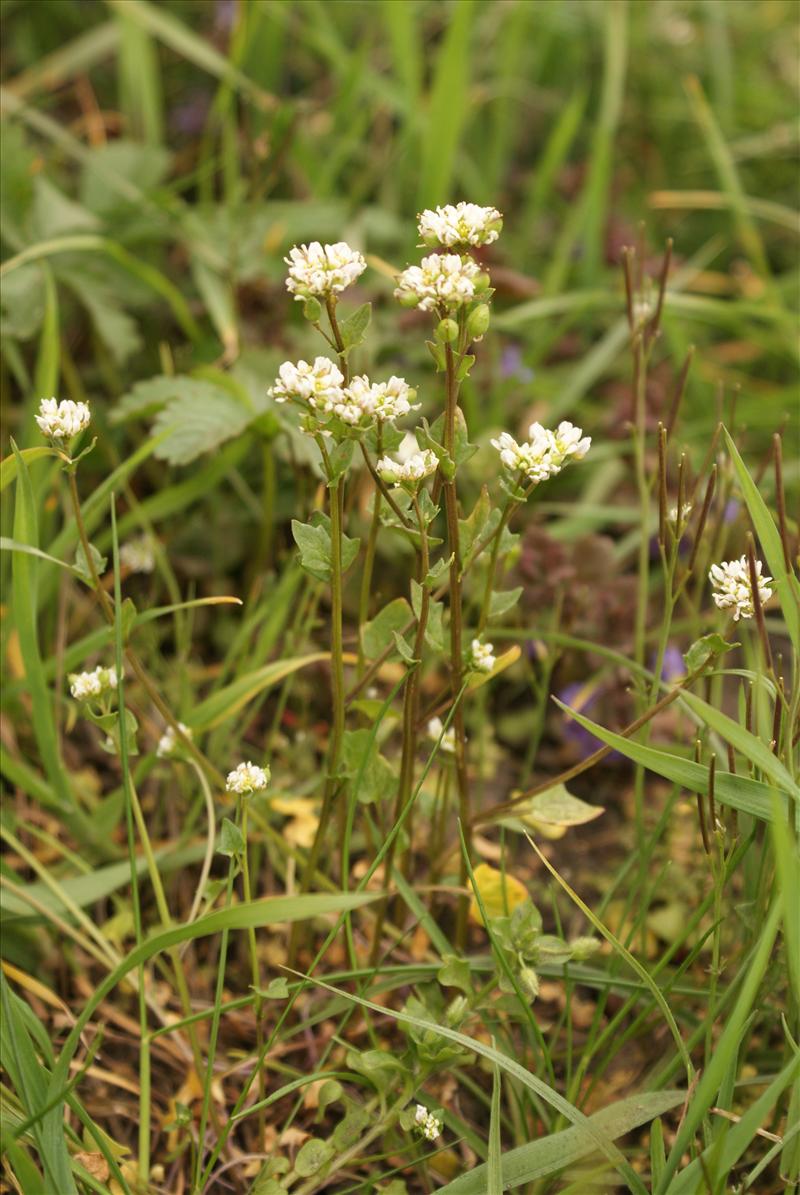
(512, 365)
(581, 698)
(672, 667)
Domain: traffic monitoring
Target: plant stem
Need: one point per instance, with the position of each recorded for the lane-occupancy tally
(256, 976)
(410, 718)
(456, 632)
(369, 558)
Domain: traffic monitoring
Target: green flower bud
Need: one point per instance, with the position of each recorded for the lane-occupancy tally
(478, 321)
(447, 331)
(408, 299)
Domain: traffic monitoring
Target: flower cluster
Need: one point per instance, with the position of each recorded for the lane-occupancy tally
(481, 656)
(169, 740)
(448, 743)
(322, 270)
(440, 281)
(460, 224)
(321, 386)
(85, 685)
(62, 420)
(411, 471)
(733, 589)
(246, 779)
(137, 555)
(545, 453)
(429, 1125)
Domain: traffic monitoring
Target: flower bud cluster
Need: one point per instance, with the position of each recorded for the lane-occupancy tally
(320, 387)
(545, 453)
(246, 779)
(62, 420)
(86, 685)
(429, 1125)
(409, 472)
(460, 224)
(322, 270)
(733, 589)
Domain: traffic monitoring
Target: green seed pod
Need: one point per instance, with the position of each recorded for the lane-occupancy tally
(478, 321)
(312, 309)
(482, 283)
(447, 331)
(409, 299)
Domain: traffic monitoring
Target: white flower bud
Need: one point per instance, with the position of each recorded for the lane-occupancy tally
(62, 420)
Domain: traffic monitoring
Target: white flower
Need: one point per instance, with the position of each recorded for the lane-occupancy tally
(545, 452)
(247, 778)
(429, 1124)
(414, 469)
(62, 420)
(407, 448)
(448, 742)
(460, 224)
(440, 280)
(169, 740)
(85, 685)
(322, 270)
(320, 384)
(138, 555)
(482, 656)
(382, 400)
(732, 589)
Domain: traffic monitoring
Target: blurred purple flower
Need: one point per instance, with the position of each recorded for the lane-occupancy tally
(673, 666)
(512, 365)
(732, 508)
(581, 698)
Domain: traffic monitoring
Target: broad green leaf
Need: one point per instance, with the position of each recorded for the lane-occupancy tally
(786, 584)
(312, 1157)
(195, 425)
(314, 542)
(503, 600)
(740, 792)
(376, 635)
(230, 841)
(549, 1155)
(354, 328)
(558, 807)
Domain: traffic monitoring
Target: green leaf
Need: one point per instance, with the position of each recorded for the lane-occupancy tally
(194, 425)
(349, 1129)
(312, 1156)
(230, 840)
(361, 758)
(82, 565)
(786, 584)
(8, 466)
(228, 701)
(404, 649)
(557, 1152)
(494, 1165)
(377, 634)
(354, 328)
(278, 989)
(740, 792)
(558, 807)
(706, 650)
(314, 542)
(503, 600)
(479, 525)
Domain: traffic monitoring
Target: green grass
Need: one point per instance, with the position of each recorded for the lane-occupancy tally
(253, 995)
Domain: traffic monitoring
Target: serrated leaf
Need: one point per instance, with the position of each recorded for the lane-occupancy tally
(354, 329)
(151, 394)
(314, 542)
(196, 425)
